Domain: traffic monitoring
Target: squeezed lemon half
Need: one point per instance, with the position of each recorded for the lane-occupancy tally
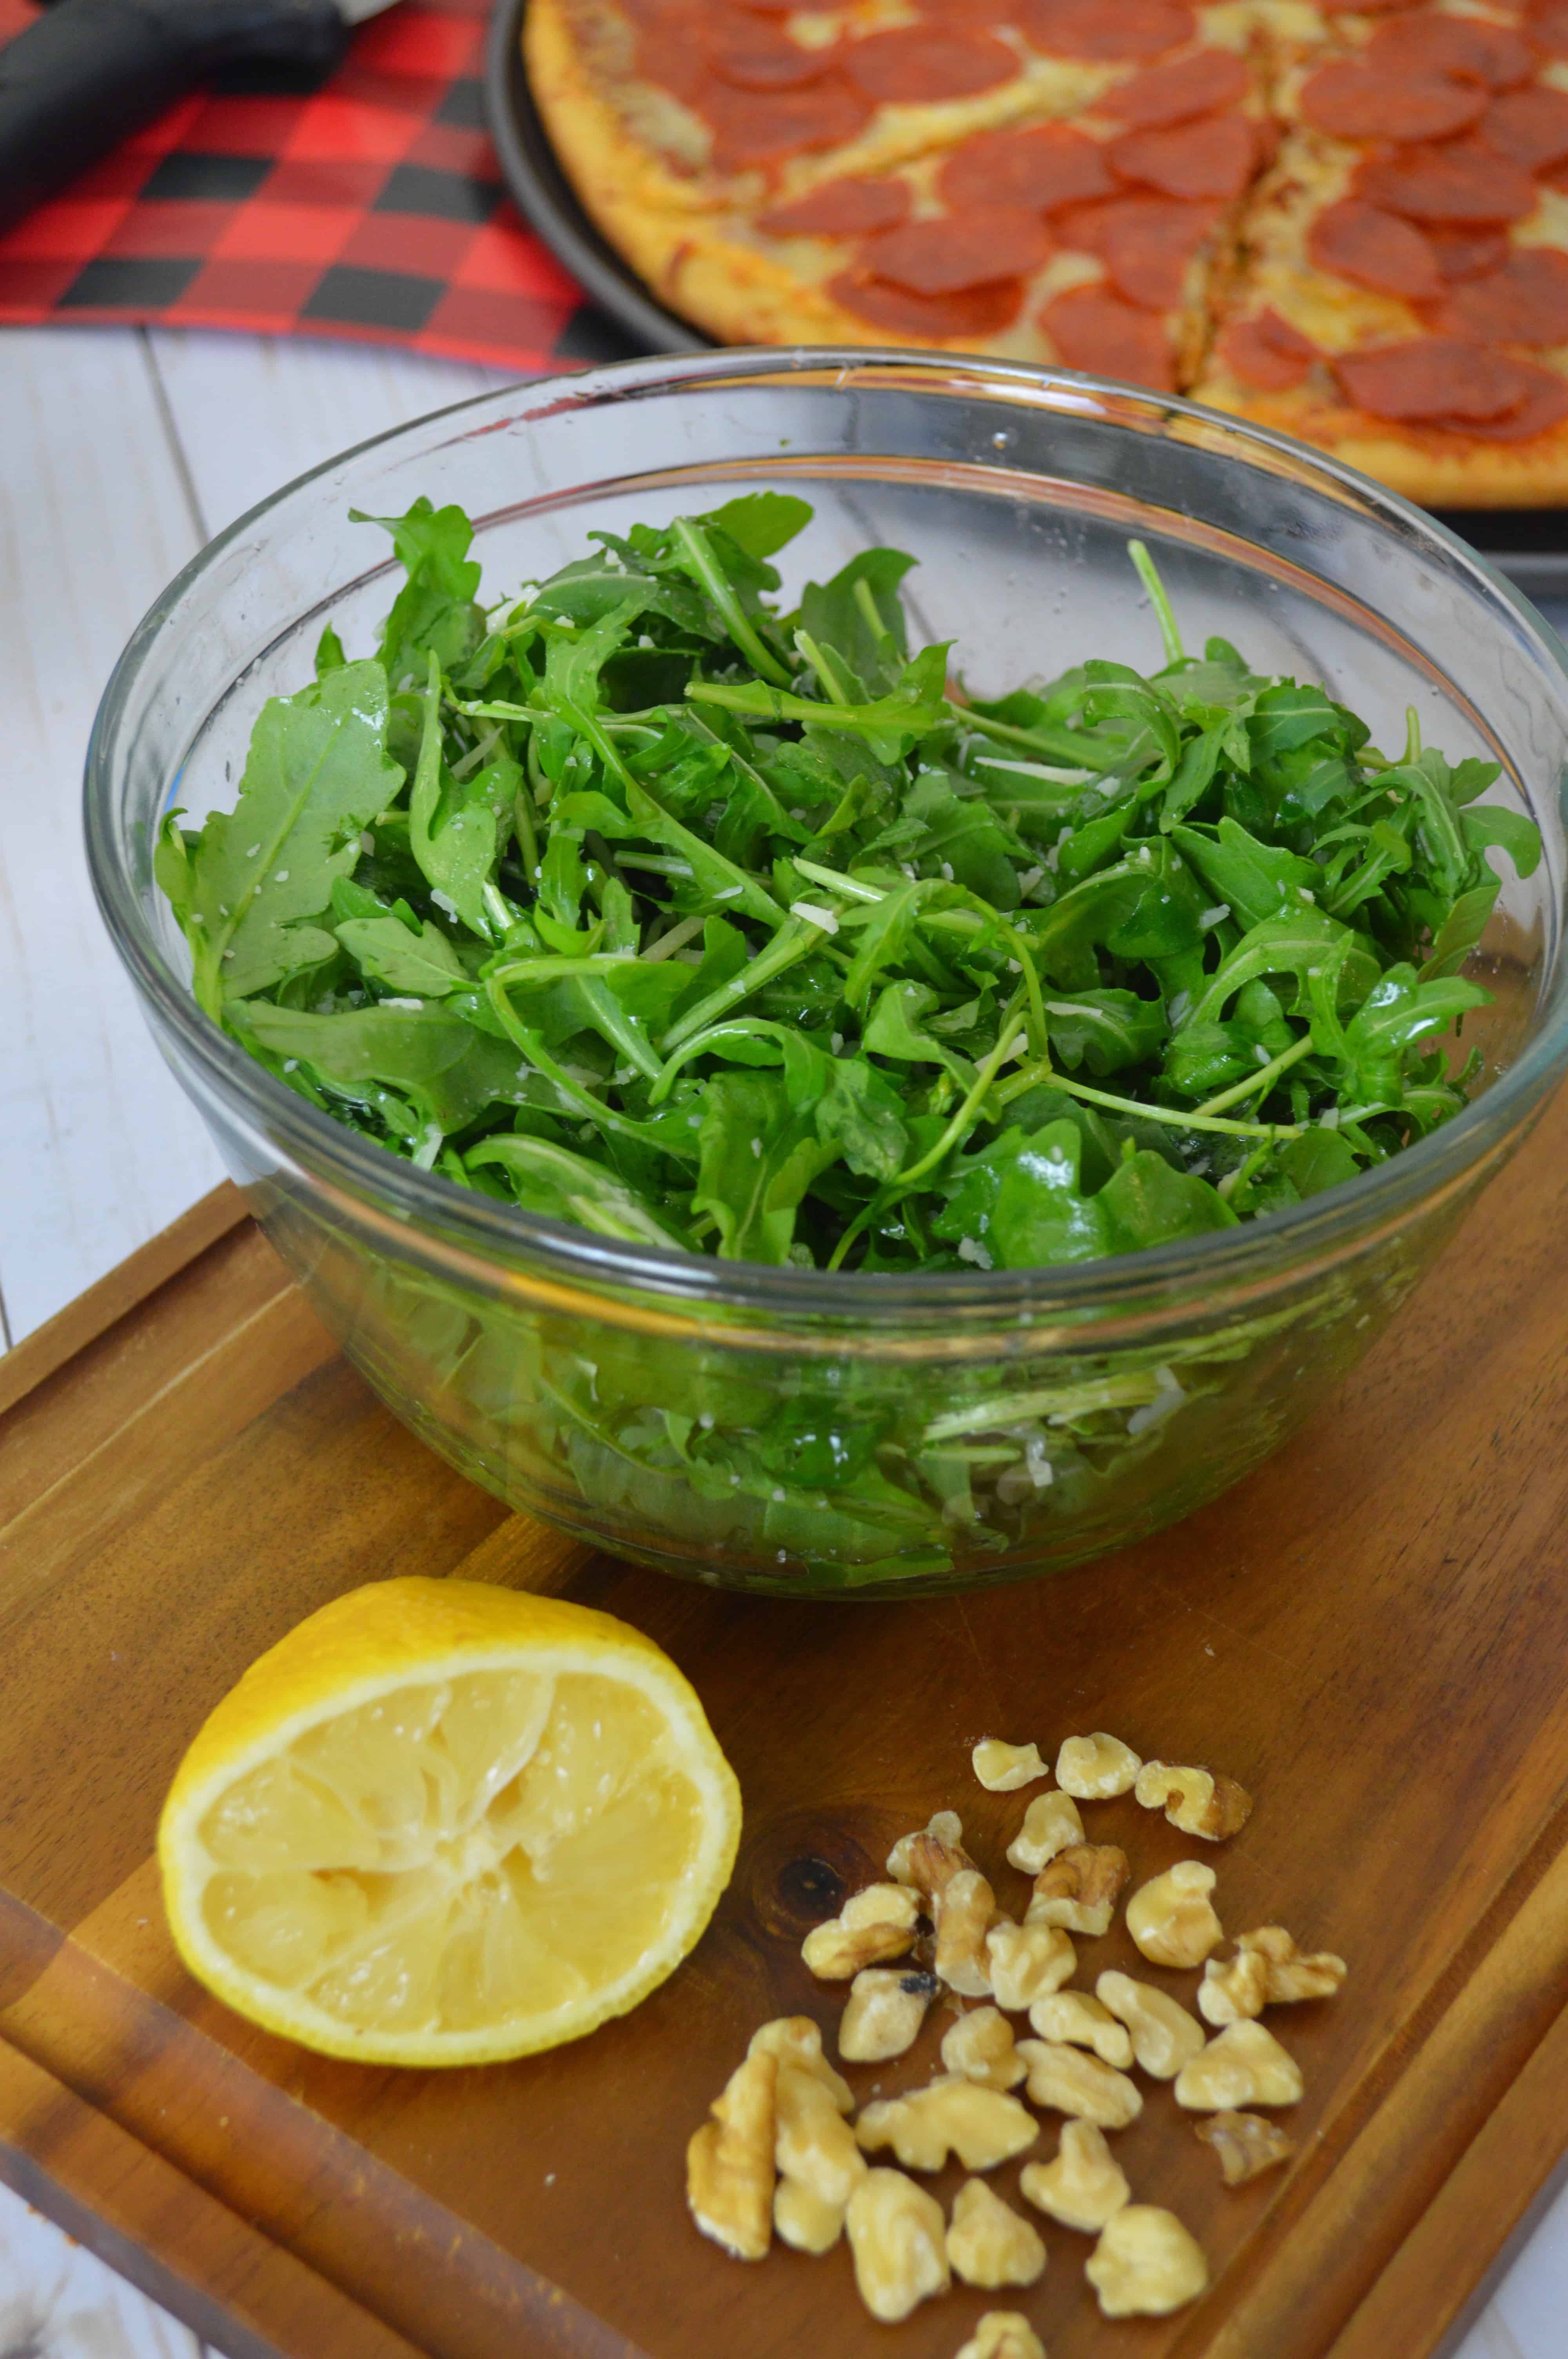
(443, 1822)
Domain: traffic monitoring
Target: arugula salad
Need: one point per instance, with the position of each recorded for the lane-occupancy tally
(647, 906)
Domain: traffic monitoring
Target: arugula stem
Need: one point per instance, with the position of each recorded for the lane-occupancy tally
(527, 839)
(1063, 745)
(793, 939)
(831, 688)
(851, 886)
(1033, 1074)
(674, 938)
(755, 700)
(961, 1121)
(1234, 1180)
(538, 1056)
(867, 606)
(702, 563)
(537, 778)
(1264, 1078)
(1412, 735)
(1160, 600)
(1023, 951)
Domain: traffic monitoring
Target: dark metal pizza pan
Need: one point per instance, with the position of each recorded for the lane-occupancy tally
(1530, 545)
(544, 196)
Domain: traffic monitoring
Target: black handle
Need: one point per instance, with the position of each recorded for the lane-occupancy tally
(88, 72)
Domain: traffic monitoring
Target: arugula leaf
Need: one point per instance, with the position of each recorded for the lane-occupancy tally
(433, 613)
(317, 775)
(1106, 1030)
(761, 522)
(443, 1065)
(1256, 881)
(402, 958)
(552, 1180)
(759, 1156)
(859, 614)
(1020, 1204)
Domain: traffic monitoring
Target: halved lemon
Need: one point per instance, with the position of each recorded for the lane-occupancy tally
(443, 1822)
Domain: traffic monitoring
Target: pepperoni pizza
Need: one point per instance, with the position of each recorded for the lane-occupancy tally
(1353, 227)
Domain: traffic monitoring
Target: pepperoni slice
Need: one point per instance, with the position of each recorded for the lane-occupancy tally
(1107, 31)
(1437, 377)
(1094, 329)
(1266, 351)
(1052, 164)
(967, 12)
(1545, 405)
(973, 312)
(760, 61)
(1525, 303)
(1529, 127)
(850, 207)
(1201, 84)
(917, 65)
(1369, 8)
(1549, 26)
(1468, 252)
(945, 255)
(1352, 100)
(1375, 249)
(1145, 243)
(1198, 159)
(1465, 47)
(1457, 183)
(766, 126)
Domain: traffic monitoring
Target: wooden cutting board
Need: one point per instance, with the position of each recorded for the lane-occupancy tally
(1371, 1633)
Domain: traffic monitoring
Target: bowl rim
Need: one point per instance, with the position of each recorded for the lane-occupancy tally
(424, 1206)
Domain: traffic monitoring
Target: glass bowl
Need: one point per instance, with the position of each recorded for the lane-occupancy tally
(779, 1428)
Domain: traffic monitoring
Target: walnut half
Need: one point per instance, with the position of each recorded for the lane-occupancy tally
(883, 2013)
(927, 1859)
(1084, 2187)
(817, 2156)
(1146, 2263)
(1002, 1768)
(871, 1925)
(1051, 1823)
(1077, 1889)
(979, 2046)
(899, 2242)
(1083, 2022)
(730, 2162)
(1024, 1961)
(796, 2039)
(1199, 1801)
(990, 2243)
(1002, 2334)
(1164, 2035)
(1171, 1917)
(1242, 2065)
(1292, 1975)
(982, 2126)
(1068, 2081)
(1094, 1768)
(1246, 2144)
(965, 1910)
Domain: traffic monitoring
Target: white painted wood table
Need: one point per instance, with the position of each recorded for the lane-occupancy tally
(121, 452)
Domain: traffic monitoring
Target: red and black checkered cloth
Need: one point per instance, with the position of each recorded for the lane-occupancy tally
(370, 207)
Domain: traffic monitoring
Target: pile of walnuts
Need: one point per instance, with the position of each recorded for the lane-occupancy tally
(782, 2154)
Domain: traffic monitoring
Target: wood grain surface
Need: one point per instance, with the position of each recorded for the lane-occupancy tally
(1369, 1633)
